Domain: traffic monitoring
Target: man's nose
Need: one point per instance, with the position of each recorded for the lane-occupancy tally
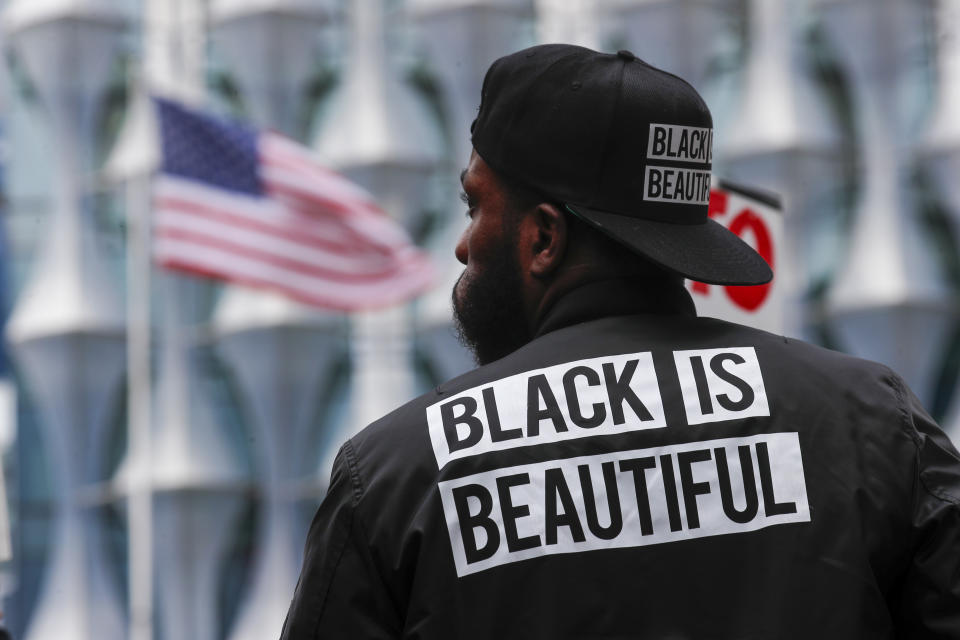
(461, 250)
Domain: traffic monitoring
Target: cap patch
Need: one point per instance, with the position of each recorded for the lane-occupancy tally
(680, 144)
(672, 184)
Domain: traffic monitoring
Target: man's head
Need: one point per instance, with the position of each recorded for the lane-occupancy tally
(581, 161)
(488, 299)
(625, 146)
(522, 252)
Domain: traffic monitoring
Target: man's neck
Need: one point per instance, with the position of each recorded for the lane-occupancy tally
(601, 297)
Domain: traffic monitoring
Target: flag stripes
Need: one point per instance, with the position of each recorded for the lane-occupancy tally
(294, 226)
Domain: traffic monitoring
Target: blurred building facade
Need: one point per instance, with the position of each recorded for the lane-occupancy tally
(844, 107)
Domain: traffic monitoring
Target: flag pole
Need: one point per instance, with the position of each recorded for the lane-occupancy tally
(140, 495)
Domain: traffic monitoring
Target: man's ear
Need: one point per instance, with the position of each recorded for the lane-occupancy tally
(548, 240)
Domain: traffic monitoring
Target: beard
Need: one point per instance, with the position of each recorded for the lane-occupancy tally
(488, 312)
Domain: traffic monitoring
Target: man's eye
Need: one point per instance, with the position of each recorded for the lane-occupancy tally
(465, 199)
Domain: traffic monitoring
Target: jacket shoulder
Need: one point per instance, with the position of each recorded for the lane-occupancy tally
(799, 353)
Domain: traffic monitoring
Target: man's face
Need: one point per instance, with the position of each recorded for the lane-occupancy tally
(488, 296)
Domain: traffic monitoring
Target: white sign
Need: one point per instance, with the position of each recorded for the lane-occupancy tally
(758, 220)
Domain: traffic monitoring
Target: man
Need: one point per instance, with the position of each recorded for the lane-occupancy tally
(618, 467)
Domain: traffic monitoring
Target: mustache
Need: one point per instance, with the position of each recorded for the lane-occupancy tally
(457, 291)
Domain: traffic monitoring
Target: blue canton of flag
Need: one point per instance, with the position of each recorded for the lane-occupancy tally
(206, 149)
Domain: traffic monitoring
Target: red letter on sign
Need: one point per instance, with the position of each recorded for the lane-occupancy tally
(718, 203)
(750, 298)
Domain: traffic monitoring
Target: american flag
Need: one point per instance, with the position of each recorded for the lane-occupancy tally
(255, 208)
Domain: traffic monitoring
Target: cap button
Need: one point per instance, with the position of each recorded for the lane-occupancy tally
(626, 55)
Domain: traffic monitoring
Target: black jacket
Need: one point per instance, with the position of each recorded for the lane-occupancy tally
(630, 474)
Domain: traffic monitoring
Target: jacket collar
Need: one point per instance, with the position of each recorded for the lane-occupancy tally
(616, 297)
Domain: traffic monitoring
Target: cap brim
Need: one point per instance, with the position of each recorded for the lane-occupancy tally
(707, 252)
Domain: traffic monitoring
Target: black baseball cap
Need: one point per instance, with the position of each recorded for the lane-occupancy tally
(622, 145)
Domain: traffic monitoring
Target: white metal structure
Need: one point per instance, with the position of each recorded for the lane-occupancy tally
(67, 326)
(782, 137)
(890, 302)
(281, 352)
(459, 39)
(380, 135)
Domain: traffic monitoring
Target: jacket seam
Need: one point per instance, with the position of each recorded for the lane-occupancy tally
(906, 425)
(905, 422)
(333, 572)
(355, 481)
(356, 523)
(911, 432)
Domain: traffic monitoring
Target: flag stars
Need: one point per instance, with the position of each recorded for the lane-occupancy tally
(208, 149)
